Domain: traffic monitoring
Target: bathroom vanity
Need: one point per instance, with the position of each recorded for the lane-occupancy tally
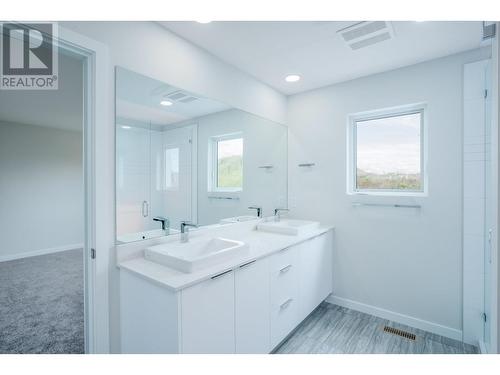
(241, 283)
(247, 301)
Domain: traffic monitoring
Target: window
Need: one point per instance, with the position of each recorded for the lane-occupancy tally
(172, 168)
(387, 151)
(227, 163)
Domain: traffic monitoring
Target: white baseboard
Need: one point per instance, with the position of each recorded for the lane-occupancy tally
(27, 254)
(397, 317)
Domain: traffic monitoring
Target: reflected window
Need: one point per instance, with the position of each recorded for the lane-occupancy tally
(172, 168)
(227, 163)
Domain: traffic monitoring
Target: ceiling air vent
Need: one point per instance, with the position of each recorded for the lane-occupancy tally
(364, 34)
(181, 96)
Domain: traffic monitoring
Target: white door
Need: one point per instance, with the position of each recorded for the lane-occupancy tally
(179, 169)
(477, 203)
(252, 313)
(207, 316)
(488, 207)
(132, 179)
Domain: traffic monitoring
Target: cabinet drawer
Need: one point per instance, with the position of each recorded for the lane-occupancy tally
(282, 259)
(284, 282)
(283, 319)
(284, 276)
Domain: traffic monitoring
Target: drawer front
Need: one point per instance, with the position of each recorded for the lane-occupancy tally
(284, 282)
(283, 319)
(284, 276)
(282, 259)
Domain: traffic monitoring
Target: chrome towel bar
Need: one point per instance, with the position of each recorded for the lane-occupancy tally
(357, 204)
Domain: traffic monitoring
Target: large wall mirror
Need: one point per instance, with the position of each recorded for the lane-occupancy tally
(184, 157)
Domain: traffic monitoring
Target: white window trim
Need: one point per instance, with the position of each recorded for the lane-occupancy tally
(352, 149)
(213, 163)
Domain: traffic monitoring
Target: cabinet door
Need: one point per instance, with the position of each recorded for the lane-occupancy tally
(208, 316)
(315, 272)
(252, 308)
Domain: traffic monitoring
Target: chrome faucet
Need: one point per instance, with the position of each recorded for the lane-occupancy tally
(259, 210)
(277, 215)
(165, 223)
(185, 230)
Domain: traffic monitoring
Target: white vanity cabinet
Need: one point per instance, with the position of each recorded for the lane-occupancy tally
(248, 309)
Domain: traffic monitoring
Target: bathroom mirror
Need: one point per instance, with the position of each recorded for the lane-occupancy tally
(183, 157)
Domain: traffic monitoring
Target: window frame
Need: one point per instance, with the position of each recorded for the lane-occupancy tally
(213, 167)
(353, 119)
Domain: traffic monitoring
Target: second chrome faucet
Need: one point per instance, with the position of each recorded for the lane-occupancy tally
(277, 213)
(185, 230)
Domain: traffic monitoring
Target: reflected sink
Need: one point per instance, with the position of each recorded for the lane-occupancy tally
(196, 254)
(288, 226)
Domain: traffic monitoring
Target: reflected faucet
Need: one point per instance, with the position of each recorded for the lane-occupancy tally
(259, 210)
(185, 230)
(277, 216)
(165, 223)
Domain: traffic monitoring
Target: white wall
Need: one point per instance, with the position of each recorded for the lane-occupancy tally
(401, 261)
(41, 190)
(149, 49)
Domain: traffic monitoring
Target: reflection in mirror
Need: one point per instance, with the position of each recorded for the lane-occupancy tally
(183, 157)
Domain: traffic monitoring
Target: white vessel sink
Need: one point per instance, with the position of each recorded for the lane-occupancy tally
(196, 254)
(288, 226)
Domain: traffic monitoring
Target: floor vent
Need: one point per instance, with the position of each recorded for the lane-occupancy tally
(399, 332)
(364, 34)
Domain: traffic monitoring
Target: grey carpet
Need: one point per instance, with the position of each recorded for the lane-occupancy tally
(41, 304)
(334, 329)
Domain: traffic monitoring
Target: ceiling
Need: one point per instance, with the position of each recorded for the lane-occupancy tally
(271, 50)
(61, 108)
(138, 98)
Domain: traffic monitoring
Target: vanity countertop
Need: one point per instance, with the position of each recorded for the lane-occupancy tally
(260, 244)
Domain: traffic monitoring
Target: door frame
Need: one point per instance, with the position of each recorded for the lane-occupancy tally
(193, 127)
(98, 223)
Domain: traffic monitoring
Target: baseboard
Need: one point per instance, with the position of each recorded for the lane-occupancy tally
(27, 254)
(425, 325)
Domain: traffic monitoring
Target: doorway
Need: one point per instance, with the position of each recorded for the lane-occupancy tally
(46, 289)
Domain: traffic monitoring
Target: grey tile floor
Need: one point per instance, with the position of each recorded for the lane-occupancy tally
(334, 329)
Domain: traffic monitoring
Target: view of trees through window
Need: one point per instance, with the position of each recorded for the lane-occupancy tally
(230, 163)
(388, 153)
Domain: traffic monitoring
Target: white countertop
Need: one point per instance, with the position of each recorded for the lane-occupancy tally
(261, 244)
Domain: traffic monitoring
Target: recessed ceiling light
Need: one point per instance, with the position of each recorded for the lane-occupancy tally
(203, 21)
(125, 127)
(166, 103)
(292, 78)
